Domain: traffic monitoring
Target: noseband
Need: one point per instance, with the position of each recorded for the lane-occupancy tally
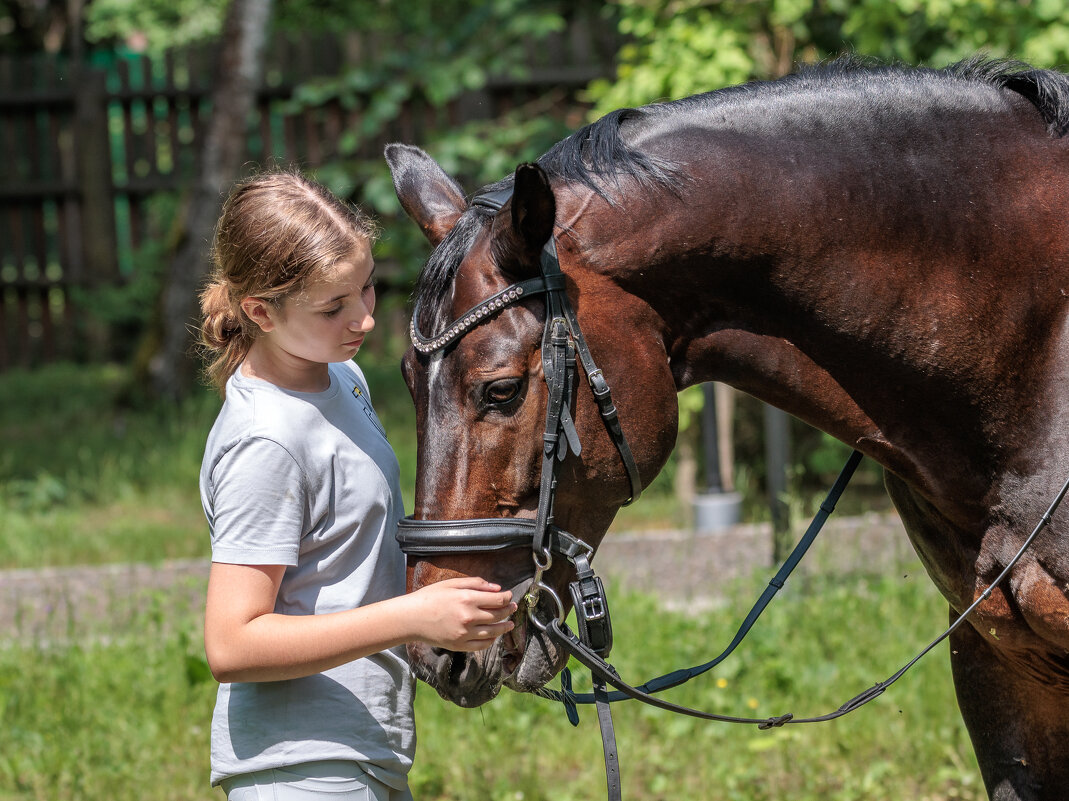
(562, 345)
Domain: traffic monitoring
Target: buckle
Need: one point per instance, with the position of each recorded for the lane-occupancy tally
(592, 614)
(594, 608)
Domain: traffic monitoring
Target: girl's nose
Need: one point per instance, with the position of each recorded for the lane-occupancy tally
(363, 324)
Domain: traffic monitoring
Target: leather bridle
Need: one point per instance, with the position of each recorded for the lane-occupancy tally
(562, 344)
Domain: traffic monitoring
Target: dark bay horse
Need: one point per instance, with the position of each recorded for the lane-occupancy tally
(882, 252)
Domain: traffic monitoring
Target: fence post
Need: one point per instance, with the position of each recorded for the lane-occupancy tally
(777, 457)
(93, 172)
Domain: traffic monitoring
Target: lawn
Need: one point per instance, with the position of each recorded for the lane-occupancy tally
(89, 475)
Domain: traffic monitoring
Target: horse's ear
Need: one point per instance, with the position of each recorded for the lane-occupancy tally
(519, 237)
(533, 206)
(431, 198)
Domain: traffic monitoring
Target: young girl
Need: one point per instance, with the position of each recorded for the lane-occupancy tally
(306, 613)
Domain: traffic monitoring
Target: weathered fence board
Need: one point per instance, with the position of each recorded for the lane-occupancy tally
(93, 144)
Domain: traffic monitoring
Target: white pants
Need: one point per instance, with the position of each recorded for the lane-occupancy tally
(312, 781)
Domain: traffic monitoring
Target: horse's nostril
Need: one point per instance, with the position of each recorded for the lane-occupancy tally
(456, 667)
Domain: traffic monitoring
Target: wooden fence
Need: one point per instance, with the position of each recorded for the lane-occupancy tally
(90, 146)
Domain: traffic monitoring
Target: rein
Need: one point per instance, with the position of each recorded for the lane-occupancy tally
(562, 345)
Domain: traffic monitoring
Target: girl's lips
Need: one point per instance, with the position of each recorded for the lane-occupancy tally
(356, 343)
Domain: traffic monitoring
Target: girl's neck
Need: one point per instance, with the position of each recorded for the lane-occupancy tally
(285, 371)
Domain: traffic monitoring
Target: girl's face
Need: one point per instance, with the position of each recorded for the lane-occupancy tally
(329, 320)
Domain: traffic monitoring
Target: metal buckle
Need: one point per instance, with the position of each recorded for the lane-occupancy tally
(592, 614)
(594, 608)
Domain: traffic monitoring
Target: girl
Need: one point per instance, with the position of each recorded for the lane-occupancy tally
(306, 614)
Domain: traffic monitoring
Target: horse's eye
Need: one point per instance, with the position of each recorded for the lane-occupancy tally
(502, 392)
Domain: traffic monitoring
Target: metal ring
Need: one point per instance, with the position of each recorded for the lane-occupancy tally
(542, 568)
(561, 614)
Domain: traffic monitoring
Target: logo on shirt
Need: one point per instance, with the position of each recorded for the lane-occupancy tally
(358, 393)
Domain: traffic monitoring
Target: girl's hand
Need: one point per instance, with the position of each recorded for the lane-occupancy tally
(462, 614)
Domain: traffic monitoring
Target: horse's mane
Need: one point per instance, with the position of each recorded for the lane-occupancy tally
(600, 154)
(600, 150)
(1047, 90)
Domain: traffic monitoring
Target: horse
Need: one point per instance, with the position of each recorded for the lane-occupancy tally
(879, 250)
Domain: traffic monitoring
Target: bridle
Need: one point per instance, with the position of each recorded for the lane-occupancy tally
(562, 344)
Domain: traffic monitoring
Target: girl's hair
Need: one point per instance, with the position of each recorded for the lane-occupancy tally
(278, 233)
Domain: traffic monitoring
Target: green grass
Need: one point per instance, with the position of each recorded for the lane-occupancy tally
(89, 477)
(123, 718)
(128, 718)
(86, 478)
(822, 644)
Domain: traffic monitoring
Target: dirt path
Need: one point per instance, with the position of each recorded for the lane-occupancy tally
(687, 570)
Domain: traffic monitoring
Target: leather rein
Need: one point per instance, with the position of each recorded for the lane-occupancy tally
(562, 344)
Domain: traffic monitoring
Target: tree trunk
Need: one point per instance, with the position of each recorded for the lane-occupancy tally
(173, 369)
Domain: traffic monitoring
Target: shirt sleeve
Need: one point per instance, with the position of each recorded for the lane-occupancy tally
(259, 505)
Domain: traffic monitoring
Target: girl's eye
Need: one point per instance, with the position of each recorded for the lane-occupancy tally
(332, 312)
(369, 285)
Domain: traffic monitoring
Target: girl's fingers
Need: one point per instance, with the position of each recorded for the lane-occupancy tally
(495, 596)
(472, 583)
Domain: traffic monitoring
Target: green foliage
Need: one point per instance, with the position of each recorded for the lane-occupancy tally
(153, 25)
(475, 154)
(437, 51)
(681, 47)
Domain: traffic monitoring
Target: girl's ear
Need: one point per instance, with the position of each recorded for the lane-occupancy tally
(259, 311)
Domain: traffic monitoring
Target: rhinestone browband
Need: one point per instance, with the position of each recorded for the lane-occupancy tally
(477, 314)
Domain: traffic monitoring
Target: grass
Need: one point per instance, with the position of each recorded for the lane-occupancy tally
(127, 717)
(108, 719)
(87, 477)
(823, 643)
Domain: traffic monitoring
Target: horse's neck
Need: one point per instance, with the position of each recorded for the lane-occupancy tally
(850, 320)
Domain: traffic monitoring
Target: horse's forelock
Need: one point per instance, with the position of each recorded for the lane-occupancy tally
(436, 277)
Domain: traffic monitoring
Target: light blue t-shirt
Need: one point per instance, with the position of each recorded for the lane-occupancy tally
(308, 480)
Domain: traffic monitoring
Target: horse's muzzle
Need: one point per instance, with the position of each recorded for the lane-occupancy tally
(523, 660)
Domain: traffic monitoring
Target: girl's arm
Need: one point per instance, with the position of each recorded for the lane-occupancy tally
(245, 640)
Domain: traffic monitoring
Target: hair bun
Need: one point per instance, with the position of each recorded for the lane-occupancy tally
(219, 329)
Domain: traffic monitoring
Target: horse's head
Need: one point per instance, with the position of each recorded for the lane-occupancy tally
(481, 408)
